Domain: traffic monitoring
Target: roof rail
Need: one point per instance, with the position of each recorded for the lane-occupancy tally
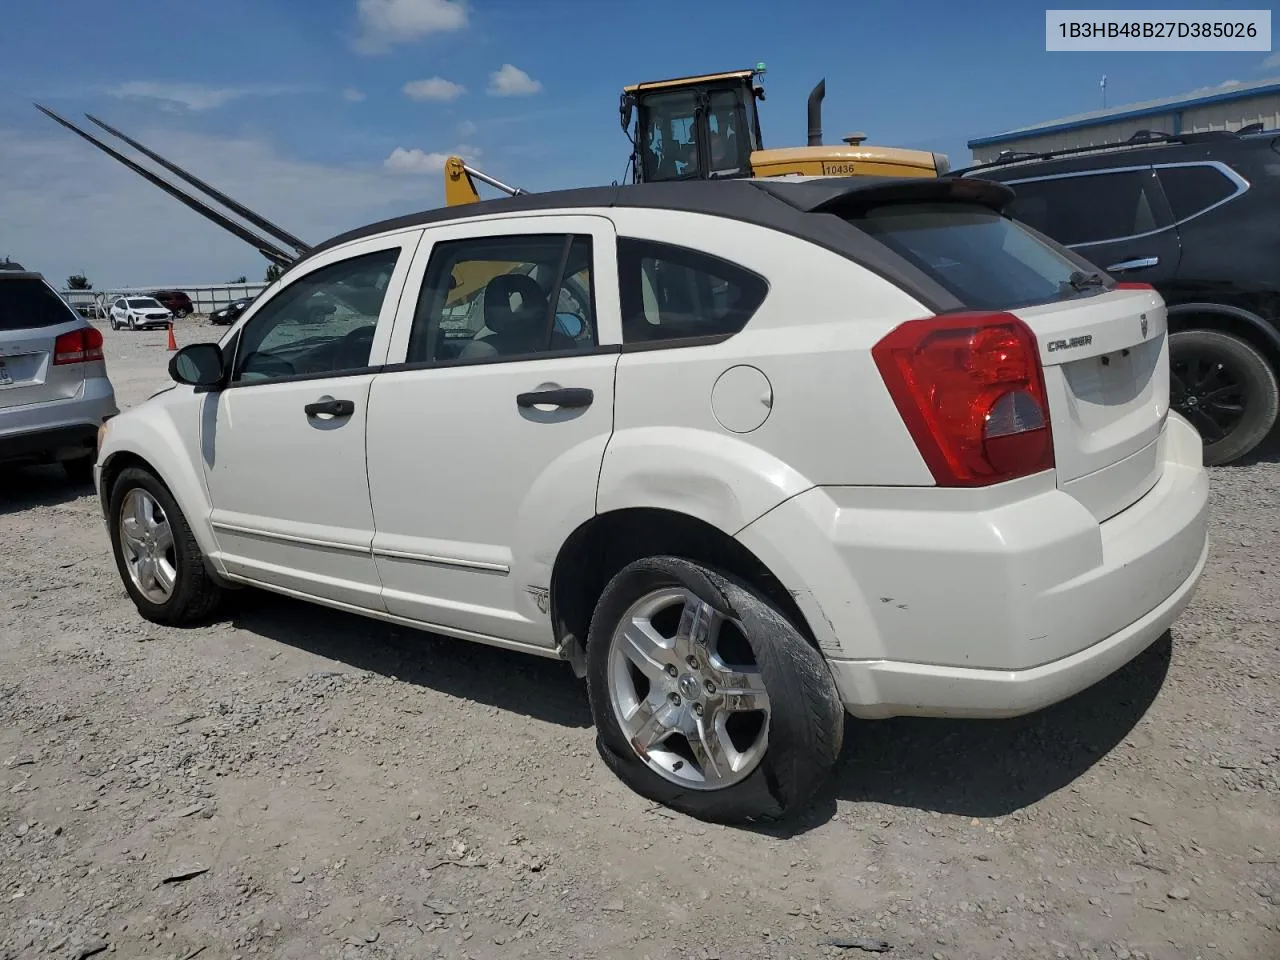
(1141, 138)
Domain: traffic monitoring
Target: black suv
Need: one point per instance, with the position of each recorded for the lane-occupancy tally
(1197, 216)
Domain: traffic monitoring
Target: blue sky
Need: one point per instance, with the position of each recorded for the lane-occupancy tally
(325, 114)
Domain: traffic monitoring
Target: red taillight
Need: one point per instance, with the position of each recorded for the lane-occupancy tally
(1134, 285)
(78, 346)
(970, 388)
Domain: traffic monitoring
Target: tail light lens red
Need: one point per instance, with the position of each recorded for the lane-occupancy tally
(970, 389)
(78, 346)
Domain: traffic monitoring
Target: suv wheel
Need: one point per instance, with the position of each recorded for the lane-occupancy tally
(1226, 388)
(80, 470)
(156, 553)
(705, 697)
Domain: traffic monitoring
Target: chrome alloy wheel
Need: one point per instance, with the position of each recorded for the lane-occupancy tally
(686, 691)
(146, 541)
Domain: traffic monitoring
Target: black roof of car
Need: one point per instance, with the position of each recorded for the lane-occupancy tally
(783, 204)
(1142, 149)
(771, 202)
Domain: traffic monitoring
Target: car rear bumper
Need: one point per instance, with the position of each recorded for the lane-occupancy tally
(987, 603)
(57, 428)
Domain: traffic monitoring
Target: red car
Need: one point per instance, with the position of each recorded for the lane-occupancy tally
(175, 301)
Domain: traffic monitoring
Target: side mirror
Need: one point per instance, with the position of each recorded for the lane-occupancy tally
(570, 324)
(197, 365)
(624, 110)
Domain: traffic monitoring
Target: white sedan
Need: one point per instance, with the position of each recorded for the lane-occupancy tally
(748, 455)
(138, 313)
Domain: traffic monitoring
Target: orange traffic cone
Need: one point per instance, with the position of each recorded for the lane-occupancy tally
(173, 344)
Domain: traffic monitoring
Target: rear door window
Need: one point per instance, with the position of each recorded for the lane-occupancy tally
(1088, 208)
(986, 260)
(1194, 188)
(29, 302)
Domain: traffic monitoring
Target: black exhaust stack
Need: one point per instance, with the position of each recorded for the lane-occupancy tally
(815, 112)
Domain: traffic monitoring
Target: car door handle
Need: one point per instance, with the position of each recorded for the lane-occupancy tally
(1138, 264)
(559, 397)
(330, 407)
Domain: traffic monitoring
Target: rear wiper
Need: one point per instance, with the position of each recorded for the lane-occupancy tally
(1079, 281)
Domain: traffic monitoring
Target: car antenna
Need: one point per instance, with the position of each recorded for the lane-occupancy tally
(255, 218)
(261, 244)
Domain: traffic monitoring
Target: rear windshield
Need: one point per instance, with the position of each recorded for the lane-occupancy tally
(28, 302)
(988, 261)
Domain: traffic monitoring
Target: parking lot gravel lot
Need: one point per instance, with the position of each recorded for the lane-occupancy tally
(294, 782)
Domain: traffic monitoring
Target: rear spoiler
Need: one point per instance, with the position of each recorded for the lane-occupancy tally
(282, 249)
(845, 196)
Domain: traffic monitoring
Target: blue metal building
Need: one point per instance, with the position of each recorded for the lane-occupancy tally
(1227, 107)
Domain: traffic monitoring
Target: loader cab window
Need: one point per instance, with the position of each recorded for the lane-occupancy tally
(670, 128)
(730, 137)
(668, 136)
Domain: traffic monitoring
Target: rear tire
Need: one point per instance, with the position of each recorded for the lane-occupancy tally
(139, 504)
(1225, 388)
(731, 766)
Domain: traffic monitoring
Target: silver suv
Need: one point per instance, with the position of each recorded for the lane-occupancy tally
(54, 390)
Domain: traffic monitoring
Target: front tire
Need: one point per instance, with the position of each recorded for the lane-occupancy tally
(706, 698)
(156, 553)
(1225, 388)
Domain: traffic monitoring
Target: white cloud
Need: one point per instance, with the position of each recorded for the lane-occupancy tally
(420, 161)
(414, 161)
(67, 207)
(511, 81)
(1228, 83)
(466, 128)
(1271, 62)
(352, 95)
(433, 88)
(195, 96)
(385, 22)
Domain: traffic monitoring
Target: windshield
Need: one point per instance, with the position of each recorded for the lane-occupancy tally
(988, 261)
(144, 303)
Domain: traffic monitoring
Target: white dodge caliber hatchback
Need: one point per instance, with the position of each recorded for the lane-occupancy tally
(747, 454)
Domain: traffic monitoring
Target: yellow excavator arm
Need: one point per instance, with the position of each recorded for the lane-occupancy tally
(460, 183)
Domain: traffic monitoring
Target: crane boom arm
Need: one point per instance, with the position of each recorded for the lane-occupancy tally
(233, 205)
(260, 243)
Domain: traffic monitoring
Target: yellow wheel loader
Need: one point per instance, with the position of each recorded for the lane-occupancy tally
(707, 127)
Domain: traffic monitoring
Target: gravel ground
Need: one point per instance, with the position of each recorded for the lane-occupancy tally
(296, 783)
